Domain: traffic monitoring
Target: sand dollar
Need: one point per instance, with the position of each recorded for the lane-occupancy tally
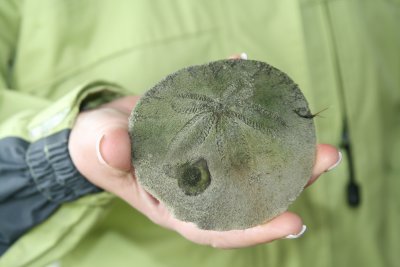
(225, 145)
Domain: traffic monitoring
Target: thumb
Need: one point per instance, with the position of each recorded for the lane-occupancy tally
(114, 148)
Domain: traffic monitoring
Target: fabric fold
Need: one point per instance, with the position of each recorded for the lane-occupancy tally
(53, 171)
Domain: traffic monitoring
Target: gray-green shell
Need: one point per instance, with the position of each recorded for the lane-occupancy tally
(225, 145)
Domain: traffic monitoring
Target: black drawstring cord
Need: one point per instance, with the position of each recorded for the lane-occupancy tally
(353, 189)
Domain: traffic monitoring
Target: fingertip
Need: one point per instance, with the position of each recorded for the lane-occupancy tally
(338, 160)
(114, 149)
(327, 158)
(327, 149)
(287, 225)
(242, 55)
(298, 234)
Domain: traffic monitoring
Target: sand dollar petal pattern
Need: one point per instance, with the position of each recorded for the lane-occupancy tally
(227, 145)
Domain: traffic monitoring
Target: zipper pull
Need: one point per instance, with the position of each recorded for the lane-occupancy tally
(353, 189)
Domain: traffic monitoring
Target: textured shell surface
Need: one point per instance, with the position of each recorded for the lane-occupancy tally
(226, 145)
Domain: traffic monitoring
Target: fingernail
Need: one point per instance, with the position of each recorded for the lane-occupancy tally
(243, 55)
(98, 150)
(337, 162)
(294, 236)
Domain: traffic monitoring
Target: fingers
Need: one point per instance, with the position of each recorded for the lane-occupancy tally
(328, 157)
(287, 224)
(238, 56)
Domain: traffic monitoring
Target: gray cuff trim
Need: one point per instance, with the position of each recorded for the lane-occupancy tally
(53, 171)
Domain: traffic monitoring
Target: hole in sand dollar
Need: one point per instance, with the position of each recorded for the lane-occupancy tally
(194, 178)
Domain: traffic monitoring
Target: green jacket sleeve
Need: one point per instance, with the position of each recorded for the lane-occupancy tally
(9, 21)
(36, 172)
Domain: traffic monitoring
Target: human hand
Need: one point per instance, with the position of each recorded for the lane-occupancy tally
(101, 150)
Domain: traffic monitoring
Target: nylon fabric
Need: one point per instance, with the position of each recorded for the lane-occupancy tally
(35, 180)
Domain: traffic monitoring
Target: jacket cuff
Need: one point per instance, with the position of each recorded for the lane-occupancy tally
(53, 171)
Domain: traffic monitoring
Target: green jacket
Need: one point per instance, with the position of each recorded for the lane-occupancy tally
(343, 54)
